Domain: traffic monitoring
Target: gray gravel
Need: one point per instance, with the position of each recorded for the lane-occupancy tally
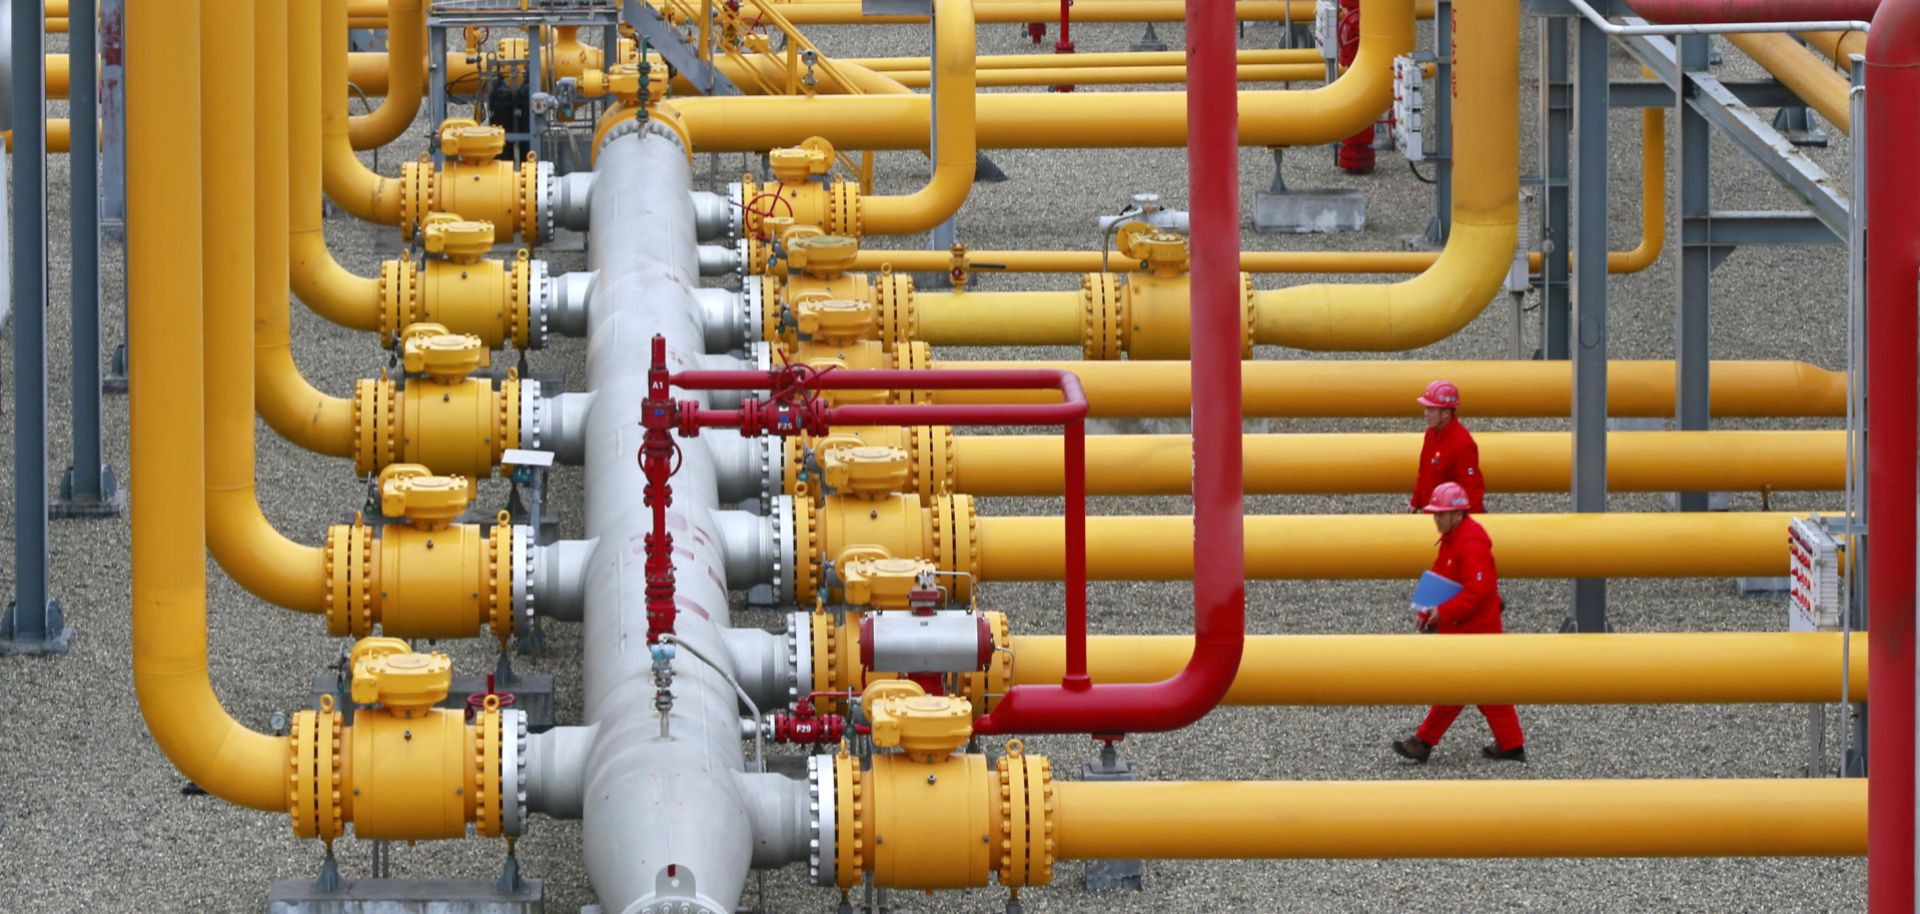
(94, 817)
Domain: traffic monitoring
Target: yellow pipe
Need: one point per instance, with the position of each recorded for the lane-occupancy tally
(1837, 46)
(367, 71)
(330, 289)
(59, 135)
(57, 77)
(253, 254)
(1379, 389)
(1480, 249)
(1155, 820)
(955, 147)
(1121, 76)
(839, 12)
(348, 181)
(1338, 464)
(1819, 85)
(1531, 669)
(406, 43)
(165, 260)
(985, 62)
(998, 318)
(1336, 547)
(1054, 119)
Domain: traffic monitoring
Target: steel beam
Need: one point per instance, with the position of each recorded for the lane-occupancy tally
(89, 488)
(1589, 349)
(1556, 123)
(113, 163)
(1734, 228)
(33, 623)
(1753, 94)
(646, 20)
(1440, 91)
(1694, 290)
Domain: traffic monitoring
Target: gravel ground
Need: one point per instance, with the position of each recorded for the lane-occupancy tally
(95, 817)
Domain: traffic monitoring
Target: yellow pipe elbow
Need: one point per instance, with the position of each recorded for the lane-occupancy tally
(406, 73)
(1837, 46)
(956, 136)
(1821, 86)
(331, 290)
(1773, 817)
(347, 180)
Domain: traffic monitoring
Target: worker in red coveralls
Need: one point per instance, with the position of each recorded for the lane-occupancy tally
(1466, 558)
(1448, 454)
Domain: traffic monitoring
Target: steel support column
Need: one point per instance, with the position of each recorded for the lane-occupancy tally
(33, 623)
(113, 164)
(89, 488)
(1695, 263)
(1556, 123)
(1441, 92)
(1589, 346)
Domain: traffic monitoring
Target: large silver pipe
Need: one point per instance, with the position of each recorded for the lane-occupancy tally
(673, 821)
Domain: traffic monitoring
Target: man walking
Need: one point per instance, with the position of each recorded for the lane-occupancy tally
(1448, 454)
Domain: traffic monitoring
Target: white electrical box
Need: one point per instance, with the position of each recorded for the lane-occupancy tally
(1326, 28)
(1816, 582)
(1409, 105)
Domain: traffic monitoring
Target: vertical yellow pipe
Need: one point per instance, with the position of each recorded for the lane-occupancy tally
(956, 147)
(1653, 196)
(406, 75)
(331, 290)
(1437, 303)
(166, 269)
(253, 254)
(349, 182)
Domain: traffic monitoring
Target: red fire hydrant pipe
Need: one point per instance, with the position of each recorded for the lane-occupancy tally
(1219, 586)
(1690, 12)
(1893, 333)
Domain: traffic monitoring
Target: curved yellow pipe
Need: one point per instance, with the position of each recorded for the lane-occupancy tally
(358, 189)
(1612, 668)
(1480, 250)
(1837, 46)
(167, 260)
(955, 148)
(331, 290)
(1054, 119)
(406, 43)
(1161, 820)
(1339, 464)
(1821, 86)
(253, 252)
(1334, 547)
(1120, 76)
(1380, 389)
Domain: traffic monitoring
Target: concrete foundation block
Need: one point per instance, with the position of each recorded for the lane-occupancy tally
(1301, 212)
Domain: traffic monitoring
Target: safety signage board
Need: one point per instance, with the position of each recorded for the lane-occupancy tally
(1816, 588)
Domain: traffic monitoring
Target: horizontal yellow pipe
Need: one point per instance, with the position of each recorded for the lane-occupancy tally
(1154, 820)
(1074, 61)
(1815, 81)
(1531, 669)
(1837, 46)
(1389, 546)
(1120, 76)
(368, 72)
(1336, 464)
(998, 318)
(59, 135)
(1023, 11)
(1380, 389)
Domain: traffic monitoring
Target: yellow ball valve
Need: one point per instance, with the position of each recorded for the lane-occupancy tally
(429, 350)
(867, 471)
(884, 583)
(463, 290)
(822, 256)
(803, 190)
(516, 198)
(428, 502)
(903, 716)
(442, 419)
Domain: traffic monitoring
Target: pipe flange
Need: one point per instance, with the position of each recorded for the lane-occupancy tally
(539, 303)
(513, 771)
(533, 414)
(784, 575)
(799, 654)
(543, 189)
(628, 127)
(753, 306)
(773, 455)
(1249, 316)
(736, 208)
(503, 576)
(525, 588)
(820, 830)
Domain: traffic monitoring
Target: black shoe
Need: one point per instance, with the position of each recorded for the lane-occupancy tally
(1516, 754)
(1414, 748)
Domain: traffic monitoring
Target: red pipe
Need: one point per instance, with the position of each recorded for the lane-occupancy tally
(1065, 44)
(1690, 12)
(1219, 571)
(1893, 268)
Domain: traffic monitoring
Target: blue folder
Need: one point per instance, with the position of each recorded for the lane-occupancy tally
(1433, 590)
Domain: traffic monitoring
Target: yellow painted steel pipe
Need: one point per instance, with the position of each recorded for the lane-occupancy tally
(1480, 248)
(367, 71)
(330, 289)
(1380, 389)
(1837, 46)
(1529, 669)
(956, 148)
(998, 318)
(1336, 464)
(1817, 83)
(1022, 11)
(250, 268)
(1387, 546)
(59, 134)
(1155, 820)
(57, 78)
(985, 62)
(1054, 119)
(349, 182)
(407, 79)
(1121, 76)
(165, 262)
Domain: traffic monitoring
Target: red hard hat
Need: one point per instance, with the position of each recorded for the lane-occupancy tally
(1441, 394)
(1447, 496)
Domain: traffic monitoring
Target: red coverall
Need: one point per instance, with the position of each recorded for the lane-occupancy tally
(1466, 556)
(1449, 455)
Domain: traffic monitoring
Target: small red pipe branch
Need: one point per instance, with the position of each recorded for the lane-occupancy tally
(1693, 12)
(659, 457)
(1893, 333)
(1065, 44)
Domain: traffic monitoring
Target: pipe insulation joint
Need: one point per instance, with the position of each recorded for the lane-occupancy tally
(724, 316)
(564, 302)
(573, 201)
(715, 218)
(719, 260)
